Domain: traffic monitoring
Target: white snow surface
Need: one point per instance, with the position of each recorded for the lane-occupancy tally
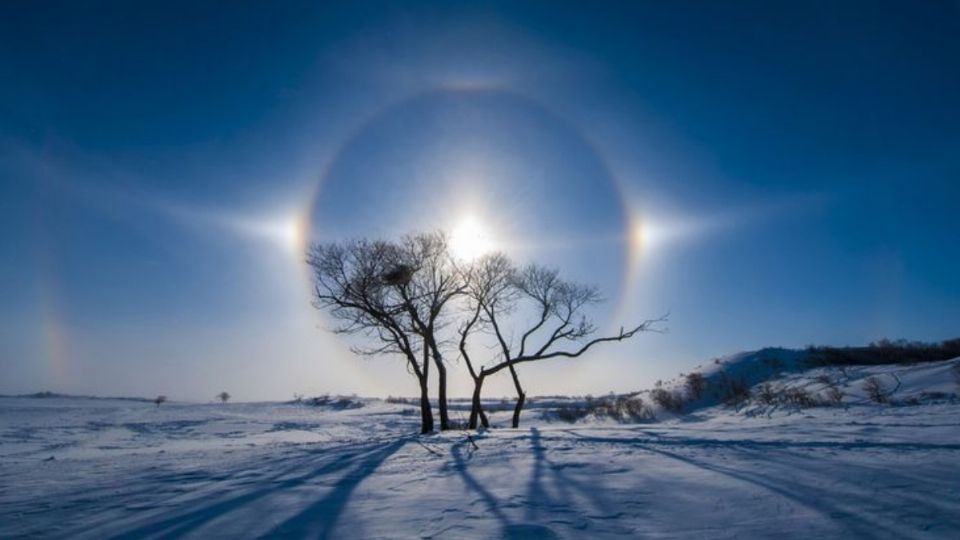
(100, 468)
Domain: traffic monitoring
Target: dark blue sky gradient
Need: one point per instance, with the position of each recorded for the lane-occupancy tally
(801, 160)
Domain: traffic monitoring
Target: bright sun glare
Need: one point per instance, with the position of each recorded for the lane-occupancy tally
(470, 239)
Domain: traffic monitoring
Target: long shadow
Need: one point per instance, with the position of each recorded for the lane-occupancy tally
(942, 508)
(319, 519)
(857, 525)
(535, 490)
(721, 443)
(180, 524)
(460, 465)
(860, 527)
(508, 529)
(162, 498)
(567, 486)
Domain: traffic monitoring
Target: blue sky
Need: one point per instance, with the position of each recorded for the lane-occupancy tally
(770, 173)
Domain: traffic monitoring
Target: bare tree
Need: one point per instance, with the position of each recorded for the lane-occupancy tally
(560, 326)
(489, 288)
(223, 397)
(428, 281)
(399, 296)
(394, 294)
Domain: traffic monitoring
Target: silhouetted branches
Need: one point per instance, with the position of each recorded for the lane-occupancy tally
(498, 289)
(399, 297)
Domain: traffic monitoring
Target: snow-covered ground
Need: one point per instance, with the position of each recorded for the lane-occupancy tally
(85, 468)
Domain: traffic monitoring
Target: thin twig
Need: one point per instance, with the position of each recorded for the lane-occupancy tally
(428, 449)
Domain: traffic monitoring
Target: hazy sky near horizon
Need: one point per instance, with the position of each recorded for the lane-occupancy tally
(772, 174)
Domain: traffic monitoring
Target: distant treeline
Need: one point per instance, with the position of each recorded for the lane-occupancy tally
(885, 351)
(51, 395)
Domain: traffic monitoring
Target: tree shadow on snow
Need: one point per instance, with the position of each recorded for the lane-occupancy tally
(540, 507)
(319, 519)
(807, 490)
(316, 521)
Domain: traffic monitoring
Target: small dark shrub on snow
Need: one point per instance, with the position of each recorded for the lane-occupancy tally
(696, 385)
(670, 400)
(937, 396)
(736, 393)
(767, 394)
(571, 413)
(335, 403)
(874, 389)
(800, 398)
(824, 379)
(620, 408)
(834, 395)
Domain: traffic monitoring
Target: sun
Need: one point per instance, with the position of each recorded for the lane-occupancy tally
(470, 239)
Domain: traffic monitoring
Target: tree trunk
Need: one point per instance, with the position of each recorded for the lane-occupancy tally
(476, 407)
(521, 397)
(517, 409)
(426, 414)
(442, 392)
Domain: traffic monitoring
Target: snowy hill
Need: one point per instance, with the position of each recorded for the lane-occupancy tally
(772, 379)
(82, 468)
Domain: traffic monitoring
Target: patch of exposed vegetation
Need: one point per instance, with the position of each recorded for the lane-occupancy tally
(624, 408)
(884, 351)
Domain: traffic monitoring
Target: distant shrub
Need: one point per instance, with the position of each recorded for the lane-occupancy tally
(399, 400)
(223, 397)
(799, 397)
(874, 389)
(696, 385)
(824, 379)
(636, 409)
(834, 395)
(297, 398)
(336, 403)
(736, 392)
(345, 403)
(159, 400)
(670, 400)
(571, 413)
(767, 394)
(620, 408)
(936, 396)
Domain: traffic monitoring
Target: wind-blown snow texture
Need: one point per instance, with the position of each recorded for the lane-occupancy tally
(83, 468)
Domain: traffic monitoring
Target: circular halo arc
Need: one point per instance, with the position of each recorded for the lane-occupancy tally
(630, 247)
